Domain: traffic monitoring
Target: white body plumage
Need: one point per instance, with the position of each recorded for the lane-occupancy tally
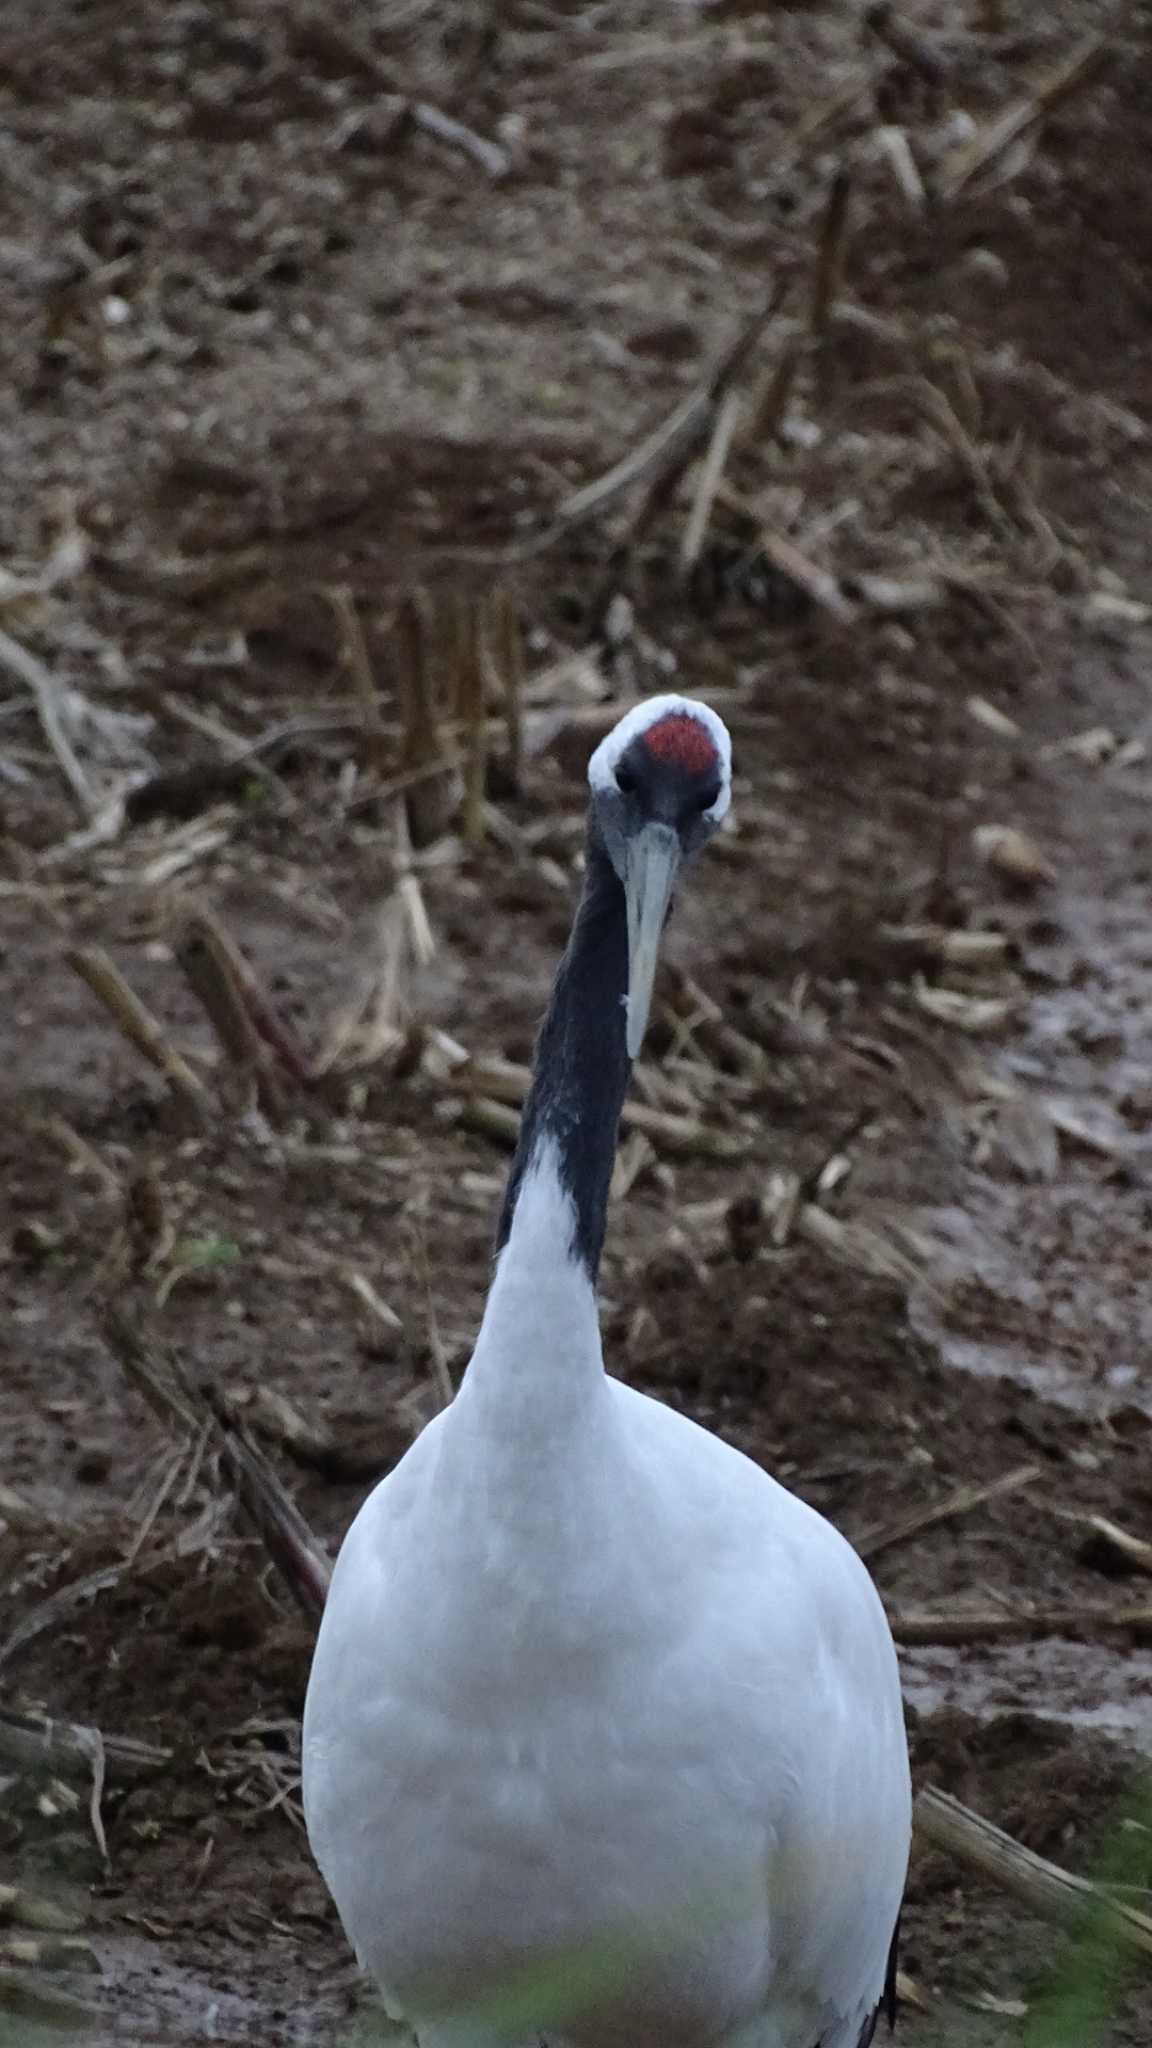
(603, 1742)
(591, 1685)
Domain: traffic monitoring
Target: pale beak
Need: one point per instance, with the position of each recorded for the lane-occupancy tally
(652, 862)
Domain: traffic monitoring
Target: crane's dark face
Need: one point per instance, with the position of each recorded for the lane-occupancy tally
(660, 783)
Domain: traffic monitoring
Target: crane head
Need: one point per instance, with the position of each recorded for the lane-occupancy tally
(661, 781)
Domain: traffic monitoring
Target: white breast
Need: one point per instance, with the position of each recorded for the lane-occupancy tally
(615, 1751)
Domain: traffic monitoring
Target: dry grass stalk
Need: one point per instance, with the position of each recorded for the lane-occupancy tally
(204, 934)
(300, 1557)
(83, 1156)
(662, 458)
(1047, 1890)
(966, 949)
(830, 253)
(973, 1014)
(633, 1159)
(993, 719)
(494, 161)
(894, 146)
(1020, 1625)
(48, 1612)
(817, 584)
(1079, 68)
(275, 1416)
(961, 1501)
(317, 35)
(699, 1017)
(65, 1749)
(490, 1119)
(48, 695)
(1126, 1549)
(769, 402)
(30, 1520)
(238, 1008)
(505, 1085)
(512, 666)
(1012, 854)
(724, 429)
(208, 973)
(432, 790)
(140, 1027)
(472, 645)
(903, 41)
(22, 1908)
(31, 2006)
(857, 1245)
(48, 1952)
(356, 660)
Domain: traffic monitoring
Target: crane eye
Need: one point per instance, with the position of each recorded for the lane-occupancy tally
(708, 796)
(627, 780)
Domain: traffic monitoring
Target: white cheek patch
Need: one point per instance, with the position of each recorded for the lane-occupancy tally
(649, 712)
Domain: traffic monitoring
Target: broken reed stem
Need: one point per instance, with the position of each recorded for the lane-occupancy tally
(830, 254)
(208, 974)
(1078, 68)
(139, 1026)
(48, 694)
(771, 400)
(711, 470)
(240, 1013)
(510, 655)
(1047, 1890)
(471, 647)
(359, 666)
(180, 1404)
(270, 1027)
(38, 2007)
(960, 1502)
(64, 1748)
(431, 799)
(1004, 1625)
(661, 459)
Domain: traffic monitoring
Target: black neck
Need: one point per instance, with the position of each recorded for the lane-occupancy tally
(581, 1068)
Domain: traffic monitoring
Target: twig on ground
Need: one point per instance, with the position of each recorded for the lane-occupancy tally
(711, 470)
(1120, 1546)
(64, 1748)
(48, 1952)
(1078, 68)
(139, 1027)
(300, 1557)
(47, 692)
(208, 974)
(1046, 1889)
(297, 1553)
(830, 253)
(1016, 1625)
(271, 1028)
(38, 2006)
(359, 666)
(960, 1502)
(817, 584)
(668, 449)
(471, 650)
(314, 34)
(20, 1907)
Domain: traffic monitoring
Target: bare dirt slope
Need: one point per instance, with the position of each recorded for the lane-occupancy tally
(275, 357)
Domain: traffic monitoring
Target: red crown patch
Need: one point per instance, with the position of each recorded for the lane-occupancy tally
(682, 741)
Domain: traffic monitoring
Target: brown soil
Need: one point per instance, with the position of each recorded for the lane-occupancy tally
(273, 346)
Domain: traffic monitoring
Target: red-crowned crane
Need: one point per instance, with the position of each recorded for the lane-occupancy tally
(603, 1745)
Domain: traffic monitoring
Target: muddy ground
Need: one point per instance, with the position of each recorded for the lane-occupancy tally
(265, 339)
